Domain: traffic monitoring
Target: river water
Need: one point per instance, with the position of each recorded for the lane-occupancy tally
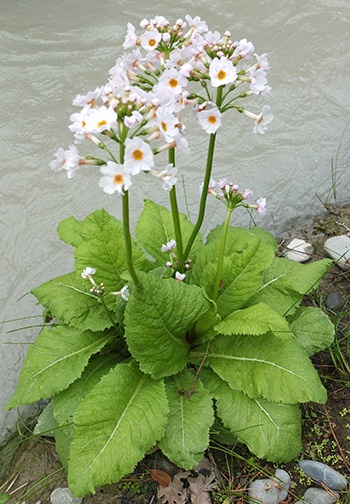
(51, 50)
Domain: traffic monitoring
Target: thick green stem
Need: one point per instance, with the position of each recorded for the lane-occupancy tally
(203, 201)
(175, 214)
(208, 170)
(126, 229)
(221, 255)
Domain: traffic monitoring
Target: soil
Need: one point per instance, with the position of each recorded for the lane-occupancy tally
(33, 465)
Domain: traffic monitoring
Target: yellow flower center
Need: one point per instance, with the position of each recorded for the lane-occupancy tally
(118, 179)
(173, 83)
(164, 126)
(137, 154)
(152, 42)
(83, 124)
(101, 123)
(221, 75)
(212, 119)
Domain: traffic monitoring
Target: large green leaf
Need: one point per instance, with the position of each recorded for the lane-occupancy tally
(262, 234)
(67, 297)
(245, 259)
(255, 320)
(271, 430)
(69, 231)
(265, 367)
(187, 431)
(66, 402)
(103, 248)
(54, 361)
(312, 328)
(155, 228)
(158, 315)
(286, 282)
(122, 418)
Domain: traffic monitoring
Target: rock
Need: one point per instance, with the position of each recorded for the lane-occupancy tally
(282, 479)
(338, 248)
(323, 474)
(264, 491)
(320, 496)
(299, 250)
(64, 496)
(334, 301)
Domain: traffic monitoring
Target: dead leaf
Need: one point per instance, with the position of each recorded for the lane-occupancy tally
(175, 493)
(201, 485)
(161, 477)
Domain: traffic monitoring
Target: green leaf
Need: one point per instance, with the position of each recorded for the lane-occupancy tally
(286, 282)
(271, 430)
(66, 402)
(204, 327)
(69, 231)
(103, 248)
(54, 361)
(312, 328)
(121, 419)
(244, 261)
(157, 317)
(265, 367)
(68, 299)
(255, 320)
(46, 424)
(262, 234)
(4, 498)
(187, 431)
(155, 228)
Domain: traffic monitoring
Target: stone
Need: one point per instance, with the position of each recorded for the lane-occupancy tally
(264, 491)
(323, 474)
(282, 479)
(334, 301)
(64, 496)
(320, 496)
(338, 248)
(299, 250)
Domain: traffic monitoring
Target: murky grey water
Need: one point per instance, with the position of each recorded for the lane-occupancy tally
(52, 50)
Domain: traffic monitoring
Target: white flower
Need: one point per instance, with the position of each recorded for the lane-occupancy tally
(138, 156)
(222, 71)
(261, 206)
(246, 193)
(172, 80)
(258, 80)
(169, 246)
(125, 293)
(87, 272)
(150, 39)
(116, 178)
(130, 37)
(197, 23)
(101, 119)
(167, 124)
(211, 186)
(80, 121)
(262, 61)
(167, 176)
(209, 118)
(133, 120)
(244, 49)
(179, 276)
(264, 118)
(68, 160)
(90, 97)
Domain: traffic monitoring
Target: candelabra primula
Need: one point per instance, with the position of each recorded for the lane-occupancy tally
(175, 337)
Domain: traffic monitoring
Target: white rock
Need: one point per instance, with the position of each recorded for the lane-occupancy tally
(338, 248)
(299, 250)
(64, 496)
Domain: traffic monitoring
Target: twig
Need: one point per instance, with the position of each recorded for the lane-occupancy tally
(336, 439)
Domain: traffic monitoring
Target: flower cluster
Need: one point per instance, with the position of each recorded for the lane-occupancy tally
(141, 107)
(229, 194)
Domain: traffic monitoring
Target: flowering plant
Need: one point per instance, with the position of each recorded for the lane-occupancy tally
(163, 339)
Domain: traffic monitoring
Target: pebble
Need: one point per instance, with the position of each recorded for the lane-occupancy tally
(319, 496)
(334, 301)
(299, 250)
(282, 478)
(264, 491)
(64, 496)
(339, 247)
(323, 474)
